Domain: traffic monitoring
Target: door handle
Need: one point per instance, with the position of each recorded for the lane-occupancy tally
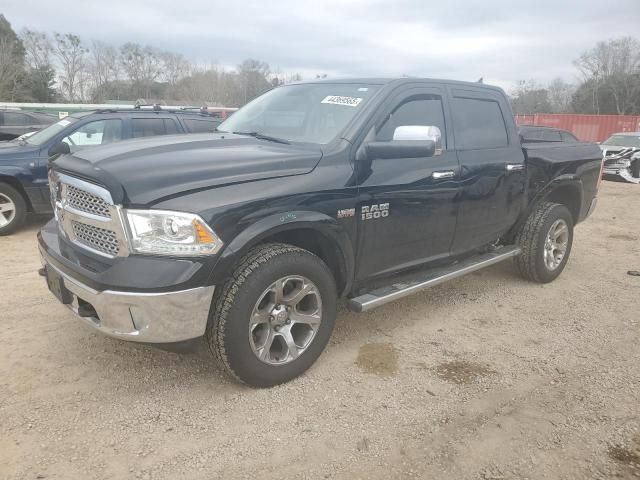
(444, 174)
(512, 167)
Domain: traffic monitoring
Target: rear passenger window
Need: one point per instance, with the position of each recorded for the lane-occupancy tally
(201, 125)
(551, 136)
(150, 127)
(478, 124)
(15, 119)
(422, 110)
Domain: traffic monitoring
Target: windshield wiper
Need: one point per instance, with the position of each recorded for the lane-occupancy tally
(261, 136)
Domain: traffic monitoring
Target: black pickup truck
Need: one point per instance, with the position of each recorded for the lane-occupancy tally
(362, 190)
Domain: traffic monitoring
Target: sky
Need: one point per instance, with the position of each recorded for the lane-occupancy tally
(502, 41)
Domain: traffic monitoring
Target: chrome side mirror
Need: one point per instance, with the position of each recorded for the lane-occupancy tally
(419, 133)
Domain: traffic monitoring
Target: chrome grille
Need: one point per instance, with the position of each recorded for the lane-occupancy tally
(86, 202)
(87, 216)
(97, 238)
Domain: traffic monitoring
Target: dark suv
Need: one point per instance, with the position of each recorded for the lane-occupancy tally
(23, 162)
(14, 123)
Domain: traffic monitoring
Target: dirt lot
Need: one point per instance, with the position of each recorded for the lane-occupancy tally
(488, 377)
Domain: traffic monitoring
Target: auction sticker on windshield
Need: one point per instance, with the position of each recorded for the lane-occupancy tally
(340, 100)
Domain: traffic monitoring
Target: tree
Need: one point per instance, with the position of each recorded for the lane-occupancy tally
(13, 78)
(560, 95)
(104, 70)
(142, 66)
(41, 74)
(252, 75)
(529, 97)
(71, 54)
(611, 76)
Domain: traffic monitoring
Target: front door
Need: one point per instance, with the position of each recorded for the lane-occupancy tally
(406, 211)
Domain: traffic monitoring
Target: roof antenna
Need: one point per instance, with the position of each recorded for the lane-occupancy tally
(480, 80)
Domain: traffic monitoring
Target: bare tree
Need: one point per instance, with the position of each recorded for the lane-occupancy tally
(529, 97)
(613, 67)
(71, 54)
(174, 67)
(104, 68)
(253, 76)
(560, 94)
(38, 48)
(142, 66)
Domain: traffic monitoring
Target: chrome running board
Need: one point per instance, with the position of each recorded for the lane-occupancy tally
(429, 279)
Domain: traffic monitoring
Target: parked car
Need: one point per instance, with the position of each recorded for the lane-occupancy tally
(366, 190)
(622, 156)
(23, 161)
(14, 123)
(532, 133)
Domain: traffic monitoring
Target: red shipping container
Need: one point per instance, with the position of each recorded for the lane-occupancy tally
(588, 128)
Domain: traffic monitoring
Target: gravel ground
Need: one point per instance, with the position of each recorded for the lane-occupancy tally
(487, 377)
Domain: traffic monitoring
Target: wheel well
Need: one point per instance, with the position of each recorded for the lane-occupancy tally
(18, 186)
(569, 196)
(318, 244)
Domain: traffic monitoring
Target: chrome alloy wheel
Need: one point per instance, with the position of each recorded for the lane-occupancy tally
(285, 320)
(7, 210)
(556, 243)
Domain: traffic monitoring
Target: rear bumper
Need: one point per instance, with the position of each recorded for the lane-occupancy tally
(592, 207)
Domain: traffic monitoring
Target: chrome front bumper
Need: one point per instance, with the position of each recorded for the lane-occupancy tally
(166, 317)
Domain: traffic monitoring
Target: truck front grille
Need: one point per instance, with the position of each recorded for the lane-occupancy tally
(87, 215)
(97, 238)
(87, 202)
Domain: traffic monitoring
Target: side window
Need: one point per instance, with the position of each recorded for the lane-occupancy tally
(551, 136)
(531, 135)
(96, 133)
(567, 137)
(201, 125)
(170, 126)
(478, 124)
(423, 110)
(15, 119)
(150, 127)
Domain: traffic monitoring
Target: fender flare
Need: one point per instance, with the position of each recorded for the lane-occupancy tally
(283, 222)
(20, 177)
(561, 181)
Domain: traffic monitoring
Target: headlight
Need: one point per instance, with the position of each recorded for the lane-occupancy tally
(162, 232)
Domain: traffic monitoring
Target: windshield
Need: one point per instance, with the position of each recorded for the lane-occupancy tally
(43, 136)
(310, 113)
(623, 141)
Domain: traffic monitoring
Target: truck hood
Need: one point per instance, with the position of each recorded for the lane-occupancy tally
(145, 171)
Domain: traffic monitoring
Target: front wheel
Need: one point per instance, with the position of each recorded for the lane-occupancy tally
(273, 319)
(545, 239)
(13, 209)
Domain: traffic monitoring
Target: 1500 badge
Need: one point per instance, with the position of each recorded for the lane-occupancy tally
(379, 210)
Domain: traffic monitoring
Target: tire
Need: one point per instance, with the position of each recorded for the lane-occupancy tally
(533, 263)
(250, 294)
(13, 209)
(635, 169)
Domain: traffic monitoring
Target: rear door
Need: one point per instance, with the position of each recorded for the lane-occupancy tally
(406, 214)
(492, 167)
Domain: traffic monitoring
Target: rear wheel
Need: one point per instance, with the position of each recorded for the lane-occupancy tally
(272, 320)
(545, 239)
(13, 209)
